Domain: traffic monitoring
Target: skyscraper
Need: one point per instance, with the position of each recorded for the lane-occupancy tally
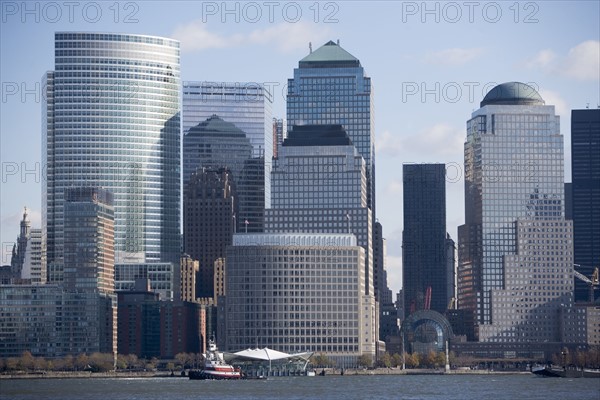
(88, 229)
(279, 134)
(330, 87)
(210, 206)
(216, 143)
(585, 163)
(319, 186)
(424, 255)
(112, 121)
(247, 105)
(514, 182)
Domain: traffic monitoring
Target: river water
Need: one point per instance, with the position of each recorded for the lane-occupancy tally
(422, 387)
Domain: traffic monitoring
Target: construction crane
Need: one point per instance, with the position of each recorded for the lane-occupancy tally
(593, 282)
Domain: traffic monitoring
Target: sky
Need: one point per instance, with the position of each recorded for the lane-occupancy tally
(431, 63)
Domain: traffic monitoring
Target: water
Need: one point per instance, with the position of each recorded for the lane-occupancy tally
(421, 387)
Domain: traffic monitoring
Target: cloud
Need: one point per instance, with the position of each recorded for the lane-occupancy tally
(285, 37)
(581, 62)
(394, 187)
(453, 57)
(437, 140)
(542, 59)
(554, 99)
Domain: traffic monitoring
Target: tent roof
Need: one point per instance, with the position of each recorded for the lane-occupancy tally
(265, 354)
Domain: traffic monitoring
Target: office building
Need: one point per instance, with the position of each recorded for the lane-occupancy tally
(88, 230)
(215, 143)
(189, 270)
(330, 88)
(514, 190)
(247, 105)
(424, 254)
(161, 277)
(111, 120)
(279, 134)
(299, 292)
(319, 186)
(585, 170)
(209, 219)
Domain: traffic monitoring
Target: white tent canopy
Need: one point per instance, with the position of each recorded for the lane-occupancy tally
(266, 354)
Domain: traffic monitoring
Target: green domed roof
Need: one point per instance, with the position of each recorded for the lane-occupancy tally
(513, 93)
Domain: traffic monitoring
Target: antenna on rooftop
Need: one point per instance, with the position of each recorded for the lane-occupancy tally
(338, 42)
(310, 46)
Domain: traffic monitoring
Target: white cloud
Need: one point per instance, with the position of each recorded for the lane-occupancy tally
(454, 56)
(394, 187)
(554, 99)
(542, 59)
(437, 140)
(286, 37)
(581, 62)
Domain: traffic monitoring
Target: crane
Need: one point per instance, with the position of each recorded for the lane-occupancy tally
(593, 282)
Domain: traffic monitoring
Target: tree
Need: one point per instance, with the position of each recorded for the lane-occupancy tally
(183, 359)
(413, 360)
(132, 361)
(40, 364)
(365, 360)
(396, 360)
(170, 366)
(121, 361)
(385, 360)
(82, 361)
(26, 361)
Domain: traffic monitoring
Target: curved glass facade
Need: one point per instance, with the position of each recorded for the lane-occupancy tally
(112, 121)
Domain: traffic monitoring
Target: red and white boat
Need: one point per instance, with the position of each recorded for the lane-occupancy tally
(215, 366)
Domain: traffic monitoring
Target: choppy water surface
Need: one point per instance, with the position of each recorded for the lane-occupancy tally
(471, 387)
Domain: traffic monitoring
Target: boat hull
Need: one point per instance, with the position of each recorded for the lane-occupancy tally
(201, 374)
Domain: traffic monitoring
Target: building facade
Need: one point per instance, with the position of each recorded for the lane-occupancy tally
(161, 277)
(319, 186)
(299, 292)
(424, 255)
(279, 134)
(514, 171)
(210, 208)
(585, 170)
(330, 87)
(112, 120)
(247, 105)
(216, 144)
(26, 262)
(189, 270)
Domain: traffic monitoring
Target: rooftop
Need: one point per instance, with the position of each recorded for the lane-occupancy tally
(216, 125)
(329, 55)
(317, 135)
(513, 93)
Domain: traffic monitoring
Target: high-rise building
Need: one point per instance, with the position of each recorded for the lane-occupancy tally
(26, 261)
(189, 270)
(330, 88)
(279, 134)
(319, 186)
(112, 121)
(424, 255)
(88, 237)
(247, 105)
(89, 262)
(216, 143)
(585, 170)
(210, 206)
(161, 278)
(299, 292)
(514, 207)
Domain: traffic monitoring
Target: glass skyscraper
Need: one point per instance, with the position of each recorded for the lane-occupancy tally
(112, 121)
(514, 171)
(585, 162)
(247, 105)
(424, 258)
(330, 87)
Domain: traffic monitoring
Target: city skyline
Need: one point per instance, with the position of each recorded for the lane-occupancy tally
(411, 126)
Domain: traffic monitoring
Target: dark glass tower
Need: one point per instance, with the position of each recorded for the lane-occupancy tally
(424, 261)
(585, 165)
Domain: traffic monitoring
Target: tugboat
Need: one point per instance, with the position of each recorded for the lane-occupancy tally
(215, 366)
